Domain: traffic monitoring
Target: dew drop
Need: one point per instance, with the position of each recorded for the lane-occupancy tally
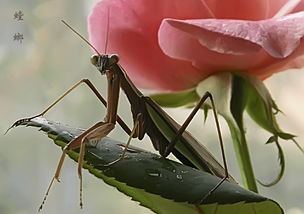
(179, 177)
(154, 173)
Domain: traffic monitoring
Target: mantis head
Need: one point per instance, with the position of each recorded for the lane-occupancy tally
(104, 62)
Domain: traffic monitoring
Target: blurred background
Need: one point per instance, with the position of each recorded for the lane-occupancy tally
(47, 61)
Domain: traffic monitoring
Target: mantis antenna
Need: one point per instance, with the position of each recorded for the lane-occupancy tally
(107, 32)
(84, 39)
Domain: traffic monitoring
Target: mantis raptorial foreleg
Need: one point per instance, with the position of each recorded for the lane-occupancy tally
(134, 130)
(96, 132)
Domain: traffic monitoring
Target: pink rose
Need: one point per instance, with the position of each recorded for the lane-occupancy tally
(174, 44)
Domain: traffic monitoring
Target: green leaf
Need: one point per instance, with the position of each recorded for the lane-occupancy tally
(262, 109)
(285, 136)
(259, 105)
(176, 99)
(271, 140)
(282, 164)
(233, 94)
(160, 184)
(238, 100)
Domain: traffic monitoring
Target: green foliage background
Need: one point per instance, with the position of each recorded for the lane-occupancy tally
(51, 59)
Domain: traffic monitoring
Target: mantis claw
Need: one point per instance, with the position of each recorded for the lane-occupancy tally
(113, 162)
(212, 190)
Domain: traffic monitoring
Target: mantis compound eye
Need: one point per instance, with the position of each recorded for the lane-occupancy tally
(94, 60)
(113, 59)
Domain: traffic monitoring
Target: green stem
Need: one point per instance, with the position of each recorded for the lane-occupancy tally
(243, 156)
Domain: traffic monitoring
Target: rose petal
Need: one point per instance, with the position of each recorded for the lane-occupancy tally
(133, 35)
(295, 63)
(133, 29)
(277, 65)
(236, 9)
(184, 47)
(233, 44)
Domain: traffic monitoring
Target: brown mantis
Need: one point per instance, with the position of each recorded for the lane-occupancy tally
(166, 135)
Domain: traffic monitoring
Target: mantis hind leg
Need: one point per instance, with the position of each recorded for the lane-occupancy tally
(185, 125)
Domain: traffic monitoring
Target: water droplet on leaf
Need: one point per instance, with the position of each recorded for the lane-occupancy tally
(179, 177)
(154, 173)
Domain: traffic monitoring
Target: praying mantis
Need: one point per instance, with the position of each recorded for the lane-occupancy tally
(166, 135)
